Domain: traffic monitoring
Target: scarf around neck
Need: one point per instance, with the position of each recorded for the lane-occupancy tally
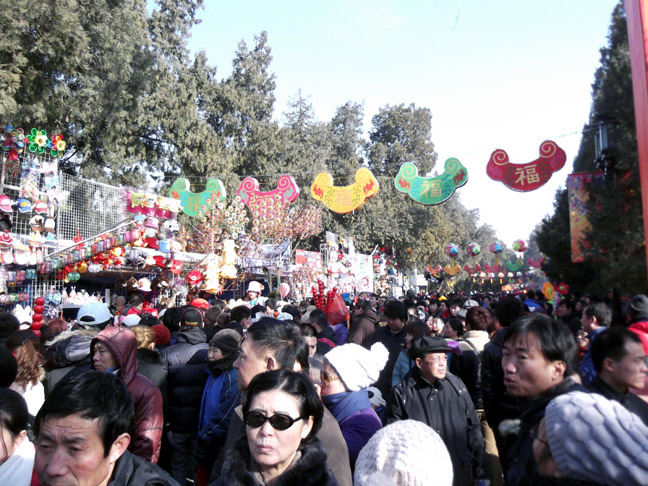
(341, 405)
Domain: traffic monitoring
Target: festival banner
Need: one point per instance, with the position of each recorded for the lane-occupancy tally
(431, 190)
(579, 225)
(310, 259)
(528, 176)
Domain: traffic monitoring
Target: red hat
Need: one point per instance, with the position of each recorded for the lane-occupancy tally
(194, 277)
(160, 261)
(152, 243)
(162, 334)
(176, 266)
(200, 304)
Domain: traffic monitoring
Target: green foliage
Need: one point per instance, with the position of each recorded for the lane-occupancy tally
(136, 107)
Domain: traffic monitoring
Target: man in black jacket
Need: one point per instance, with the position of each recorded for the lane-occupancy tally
(498, 404)
(620, 363)
(439, 399)
(186, 364)
(392, 336)
(82, 434)
(364, 325)
(539, 363)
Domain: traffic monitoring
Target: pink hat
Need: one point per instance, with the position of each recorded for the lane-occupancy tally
(6, 204)
(40, 207)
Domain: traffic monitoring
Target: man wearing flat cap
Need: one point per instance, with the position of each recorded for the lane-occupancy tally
(432, 395)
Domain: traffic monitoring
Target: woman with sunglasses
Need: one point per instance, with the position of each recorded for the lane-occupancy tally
(283, 414)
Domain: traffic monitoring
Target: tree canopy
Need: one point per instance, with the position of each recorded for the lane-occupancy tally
(617, 256)
(137, 108)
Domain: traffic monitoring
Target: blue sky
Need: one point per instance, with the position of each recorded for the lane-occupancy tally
(495, 74)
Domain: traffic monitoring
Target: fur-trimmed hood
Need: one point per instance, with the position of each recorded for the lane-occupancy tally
(70, 347)
(310, 470)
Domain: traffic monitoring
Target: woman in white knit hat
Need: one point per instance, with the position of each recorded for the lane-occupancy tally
(405, 453)
(347, 372)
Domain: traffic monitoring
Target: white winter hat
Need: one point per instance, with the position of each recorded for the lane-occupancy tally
(358, 367)
(131, 320)
(405, 453)
(254, 286)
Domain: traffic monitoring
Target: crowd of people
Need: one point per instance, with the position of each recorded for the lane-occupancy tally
(461, 390)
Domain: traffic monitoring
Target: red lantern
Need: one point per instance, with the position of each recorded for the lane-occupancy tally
(38, 309)
(39, 301)
(37, 318)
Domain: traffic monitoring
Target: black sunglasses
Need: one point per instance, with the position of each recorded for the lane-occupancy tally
(279, 421)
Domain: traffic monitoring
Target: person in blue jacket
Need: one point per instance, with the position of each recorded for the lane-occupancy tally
(219, 400)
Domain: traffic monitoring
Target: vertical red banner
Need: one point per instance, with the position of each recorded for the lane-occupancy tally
(636, 13)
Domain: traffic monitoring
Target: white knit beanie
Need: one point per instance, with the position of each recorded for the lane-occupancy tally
(405, 453)
(358, 367)
(595, 439)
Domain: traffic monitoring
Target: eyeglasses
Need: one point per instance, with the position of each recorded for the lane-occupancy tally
(279, 421)
(438, 359)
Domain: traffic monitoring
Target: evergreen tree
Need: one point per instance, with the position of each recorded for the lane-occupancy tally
(616, 257)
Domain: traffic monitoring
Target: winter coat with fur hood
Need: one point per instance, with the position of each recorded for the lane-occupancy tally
(311, 469)
(148, 421)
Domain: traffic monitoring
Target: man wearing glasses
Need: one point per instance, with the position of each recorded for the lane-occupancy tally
(432, 395)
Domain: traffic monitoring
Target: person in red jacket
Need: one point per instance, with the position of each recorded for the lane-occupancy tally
(114, 350)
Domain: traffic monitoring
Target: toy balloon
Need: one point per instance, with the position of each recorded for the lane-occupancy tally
(284, 289)
(452, 251)
(496, 248)
(519, 246)
(473, 249)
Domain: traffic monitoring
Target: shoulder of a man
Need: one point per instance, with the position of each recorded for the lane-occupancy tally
(131, 470)
(457, 384)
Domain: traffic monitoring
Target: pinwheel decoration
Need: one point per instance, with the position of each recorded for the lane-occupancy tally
(548, 291)
(452, 251)
(562, 288)
(38, 141)
(496, 248)
(519, 246)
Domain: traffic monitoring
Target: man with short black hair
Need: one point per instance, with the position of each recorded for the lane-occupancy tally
(439, 399)
(392, 336)
(539, 363)
(620, 362)
(186, 363)
(498, 404)
(242, 315)
(326, 337)
(271, 344)
(83, 433)
(566, 315)
(596, 319)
